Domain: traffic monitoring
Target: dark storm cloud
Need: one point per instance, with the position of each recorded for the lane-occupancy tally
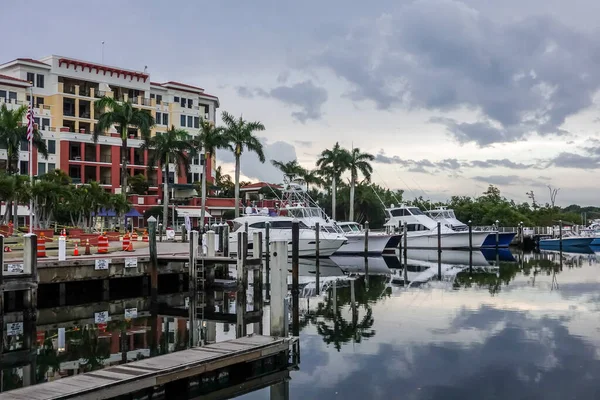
(506, 163)
(306, 96)
(574, 160)
(507, 180)
(522, 76)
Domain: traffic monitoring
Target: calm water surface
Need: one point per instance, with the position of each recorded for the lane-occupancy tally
(513, 326)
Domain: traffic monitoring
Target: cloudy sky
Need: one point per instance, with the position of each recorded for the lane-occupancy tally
(450, 96)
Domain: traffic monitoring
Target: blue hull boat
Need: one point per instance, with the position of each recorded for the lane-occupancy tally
(504, 239)
(503, 254)
(595, 242)
(566, 242)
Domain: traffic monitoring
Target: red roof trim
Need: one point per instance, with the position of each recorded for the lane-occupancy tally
(13, 79)
(209, 95)
(183, 84)
(105, 69)
(31, 60)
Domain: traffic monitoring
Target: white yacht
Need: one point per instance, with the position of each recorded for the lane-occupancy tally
(280, 228)
(296, 203)
(422, 231)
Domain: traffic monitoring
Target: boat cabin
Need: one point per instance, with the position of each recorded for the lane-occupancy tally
(350, 227)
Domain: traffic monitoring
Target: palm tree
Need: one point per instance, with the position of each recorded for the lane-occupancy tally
(359, 162)
(335, 161)
(124, 116)
(290, 169)
(208, 141)
(172, 146)
(312, 177)
(12, 133)
(240, 134)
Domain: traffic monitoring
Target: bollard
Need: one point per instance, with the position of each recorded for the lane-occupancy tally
(257, 245)
(30, 245)
(439, 243)
(318, 255)
(366, 238)
(62, 248)
(210, 243)
(226, 241)
(267, 261)
(279, 288)
(295, 277)
(87, 248)
(405, 239)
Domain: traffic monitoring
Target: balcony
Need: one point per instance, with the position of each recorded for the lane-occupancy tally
(99, 93)
(69, 89)
(105, 159)
(146, 102)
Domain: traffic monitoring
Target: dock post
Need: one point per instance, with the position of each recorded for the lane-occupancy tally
(470, 246)
(497, 235)
(153, 260)
(318, 256)
(439, 243)
(62, 248)
(1, 270)
(295, 278)
(257, 293)
(210, 243)
(267, 261)
(242, 283)
(366, 238)
(30, 266)
(257, 245)
(405, 240)
(220, 234)
(226, 240)
(192, 273)
(279, 289)
(560, 234)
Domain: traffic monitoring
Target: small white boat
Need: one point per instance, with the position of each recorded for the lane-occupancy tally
(379, 242)
(280, 228)
(422, 231)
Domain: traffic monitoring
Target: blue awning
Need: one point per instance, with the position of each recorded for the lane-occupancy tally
(105, 213)
(133, 213)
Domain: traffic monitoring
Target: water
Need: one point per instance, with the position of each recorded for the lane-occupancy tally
(513, 326)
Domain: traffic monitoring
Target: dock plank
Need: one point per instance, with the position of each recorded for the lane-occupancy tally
(123, 379)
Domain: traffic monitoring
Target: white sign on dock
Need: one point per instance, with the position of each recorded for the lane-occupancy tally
(131, 262)
(101, 317)
(14, 329)
(15, 268)
(102, 264)
(62, 248)
(130, 313)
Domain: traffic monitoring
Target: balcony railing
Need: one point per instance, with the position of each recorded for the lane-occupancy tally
(133, 100)
(84, 91)
(84, 114)
(74, 157)
(105, 159)
(69, 89)
(105, 182)
(90, 158)
(75, 180)
(146, 102)
(68, 113)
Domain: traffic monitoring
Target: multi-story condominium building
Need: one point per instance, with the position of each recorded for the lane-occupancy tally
(64, 91)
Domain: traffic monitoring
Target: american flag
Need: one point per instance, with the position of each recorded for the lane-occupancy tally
(30, 120)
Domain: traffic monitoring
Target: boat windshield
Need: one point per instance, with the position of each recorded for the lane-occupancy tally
(350, 227)
(415, 211)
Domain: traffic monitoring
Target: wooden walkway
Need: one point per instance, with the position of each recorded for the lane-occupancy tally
(128, 378)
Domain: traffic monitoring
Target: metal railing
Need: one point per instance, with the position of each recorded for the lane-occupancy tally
(146, 102)
(69, 89)
(84, 91)
(105, 159)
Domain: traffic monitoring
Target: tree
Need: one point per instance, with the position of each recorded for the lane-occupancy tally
(12, 133)
(534, 203)
(224, 183)
(124, 116)
(138, 184)
(172, 146)
(208, 141)
(553, 193)
(335, 161)
(240, 135)
(312, 177)
(290, 169)
(358, 162)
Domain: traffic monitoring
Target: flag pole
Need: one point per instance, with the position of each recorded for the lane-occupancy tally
(30, 137)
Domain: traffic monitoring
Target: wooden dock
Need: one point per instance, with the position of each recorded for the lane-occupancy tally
(196, 371)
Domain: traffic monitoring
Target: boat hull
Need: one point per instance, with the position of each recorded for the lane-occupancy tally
(356, 244)
(449, 240)
(504, 239)
(306, 245)
(566, 242)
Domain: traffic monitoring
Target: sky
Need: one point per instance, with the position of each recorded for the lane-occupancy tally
(449, 96)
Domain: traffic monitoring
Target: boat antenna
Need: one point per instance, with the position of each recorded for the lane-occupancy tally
(379, 198)
(388, 188)
(425, 193)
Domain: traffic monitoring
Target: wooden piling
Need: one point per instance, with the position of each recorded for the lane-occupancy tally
(242, 283)
(257, 280)
(405, 239)
(439, 244)
(267, 261)
(210, 243)
(317, 255)
(366, 238)
(470, 246)
(279, 273)
(226, 240)
(192, 272)
(497, 235)
(295, 277)
(153, 260)
(560, 234)
(257, 245)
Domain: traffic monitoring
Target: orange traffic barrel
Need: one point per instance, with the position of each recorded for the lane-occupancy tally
(145, 237)
(126, 242)
(41, 246)
(102, 244)
(134, 236)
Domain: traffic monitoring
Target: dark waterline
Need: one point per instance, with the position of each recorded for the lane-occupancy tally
(512, 326)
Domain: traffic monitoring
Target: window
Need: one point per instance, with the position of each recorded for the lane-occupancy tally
(176, 99)
(40, 81)
(12, 96)
(190, 121)
(45, 123)
(196, 177)
(196, 122)
(157, 118)
(259, 225)
(151, 95)
(183, 120)
(30, 77)
(183, 101)
(399, 212)
(39, 101)
(51, 147)
(415, 211)
(24, 145)
(189, 177)
(51, 167)
(165, 118)
(36, 121)
(206, 108)
(158, 99)
(24, 167)
(195, 161)
(190, 103)
(3, 94)
(41, 168)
